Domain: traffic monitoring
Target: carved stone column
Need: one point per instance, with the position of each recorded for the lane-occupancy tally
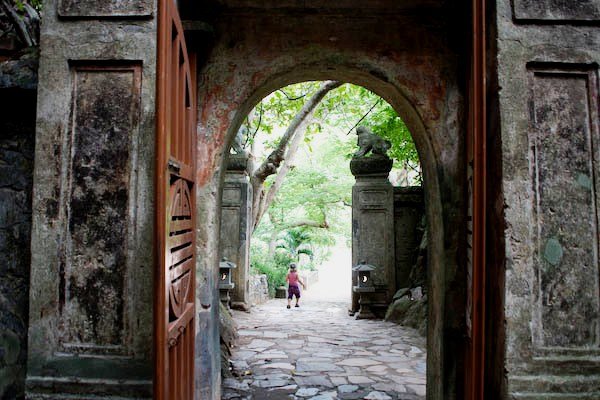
(373, 227)
(235, 227)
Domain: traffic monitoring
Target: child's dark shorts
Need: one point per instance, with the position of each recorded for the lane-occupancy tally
(293, 291)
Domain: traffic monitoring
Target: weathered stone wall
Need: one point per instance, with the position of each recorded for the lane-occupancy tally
(410, 57)
(547, 63)
(91, 296)
(17, 141)
(408, 213)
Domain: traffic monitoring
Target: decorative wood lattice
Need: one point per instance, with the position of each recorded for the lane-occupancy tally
(176, 163)
(180, 248)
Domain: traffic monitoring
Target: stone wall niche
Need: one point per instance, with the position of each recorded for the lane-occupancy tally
(236, 217)
(93, 274)
(85, 321)
(552, 303)
(565, 141)
(557, 10)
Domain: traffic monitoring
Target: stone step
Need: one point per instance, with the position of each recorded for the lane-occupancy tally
(557, 396)
(563, 386)
(565, 365)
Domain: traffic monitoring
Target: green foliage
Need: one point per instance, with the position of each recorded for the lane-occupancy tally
(295, 242)
(278, 110)
(312, 207)
(353, 105)
(20, 4)
(275, 268)
(344, 108)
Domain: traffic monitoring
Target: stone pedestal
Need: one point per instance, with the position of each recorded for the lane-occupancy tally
(224, 290)
(365, 302)
(235, 227)
(373, 227)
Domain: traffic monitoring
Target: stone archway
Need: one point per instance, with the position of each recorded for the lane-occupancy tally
(430, 183)
(434, 123)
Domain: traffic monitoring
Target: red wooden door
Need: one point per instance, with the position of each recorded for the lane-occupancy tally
(175, 205)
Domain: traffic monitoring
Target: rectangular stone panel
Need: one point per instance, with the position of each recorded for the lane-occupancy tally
(93, 297)
(373, 199)
(230, 233)
(564, 135)
(232, 195)
(557, 10)
(372, 239)
(105, 8)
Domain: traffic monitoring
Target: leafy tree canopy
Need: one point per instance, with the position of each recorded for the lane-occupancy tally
(313, 202)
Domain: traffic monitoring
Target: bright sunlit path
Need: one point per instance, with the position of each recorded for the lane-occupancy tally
(335, 275)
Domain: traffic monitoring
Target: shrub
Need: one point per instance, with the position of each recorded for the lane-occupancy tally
(275, 268)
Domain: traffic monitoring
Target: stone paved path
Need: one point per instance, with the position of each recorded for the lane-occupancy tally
(318, 352)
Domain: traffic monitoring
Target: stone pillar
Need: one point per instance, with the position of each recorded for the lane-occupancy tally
(373, 227)
(408, 212)
(236, 215)
(91, 295)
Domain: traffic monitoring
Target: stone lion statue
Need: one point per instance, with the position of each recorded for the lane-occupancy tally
(238, 142)
(370, 142)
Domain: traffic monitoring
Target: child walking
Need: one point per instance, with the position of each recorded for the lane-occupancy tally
(293, 279)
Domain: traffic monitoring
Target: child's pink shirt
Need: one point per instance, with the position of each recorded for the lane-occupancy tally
(293, 278)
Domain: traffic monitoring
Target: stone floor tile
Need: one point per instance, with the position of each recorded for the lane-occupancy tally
(317, 366)
(347, 388)
(338, 380)
(358, 362)
(359, 379)
(284, 366)
(377, 396)
(417, 389)
(306, 392)
(314, 380)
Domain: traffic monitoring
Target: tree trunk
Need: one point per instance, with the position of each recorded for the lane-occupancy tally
(271, 165)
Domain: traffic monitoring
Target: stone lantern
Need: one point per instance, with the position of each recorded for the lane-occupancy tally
(364, 288)
(225, 283)
(363, 276)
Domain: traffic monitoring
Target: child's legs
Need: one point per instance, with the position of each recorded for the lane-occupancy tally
(293, 291)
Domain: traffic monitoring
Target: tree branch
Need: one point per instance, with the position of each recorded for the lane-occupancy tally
(26, 33)
(308, 223)
(287, 96)
(364, 116)
(272, 163)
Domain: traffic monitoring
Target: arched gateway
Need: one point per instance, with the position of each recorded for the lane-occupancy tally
(130, 158)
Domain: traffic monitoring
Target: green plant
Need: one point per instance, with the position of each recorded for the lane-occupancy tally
(295, 242)
(275, 268)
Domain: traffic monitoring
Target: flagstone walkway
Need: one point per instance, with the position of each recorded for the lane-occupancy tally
(318, 352)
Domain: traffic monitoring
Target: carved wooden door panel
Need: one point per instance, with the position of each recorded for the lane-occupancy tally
(175, 225)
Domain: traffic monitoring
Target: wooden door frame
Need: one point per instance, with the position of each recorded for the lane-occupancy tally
(476, 143)
(477, 159)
